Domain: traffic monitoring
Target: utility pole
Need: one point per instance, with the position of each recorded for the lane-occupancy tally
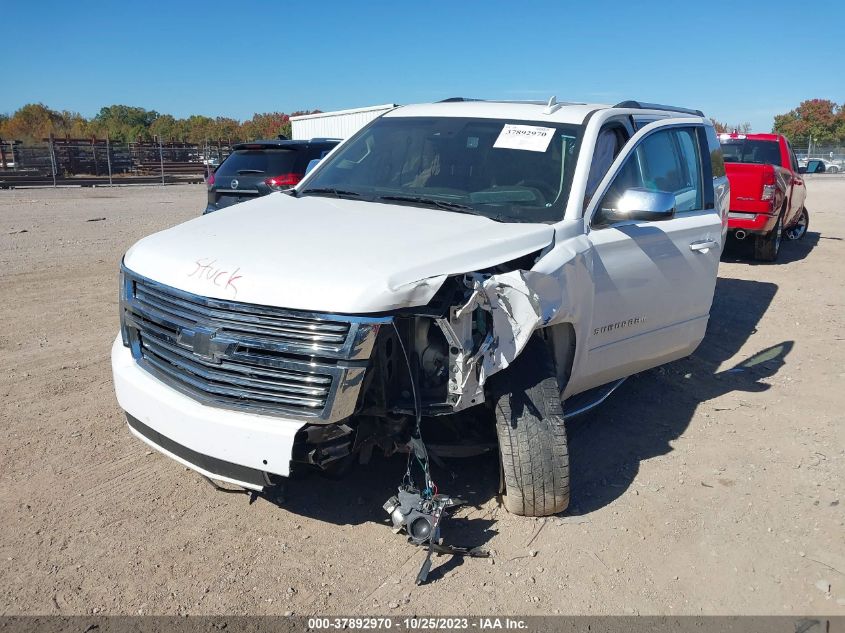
(161, 159)
(108, 158)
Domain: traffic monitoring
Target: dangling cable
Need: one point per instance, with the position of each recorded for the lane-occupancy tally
(417, 445)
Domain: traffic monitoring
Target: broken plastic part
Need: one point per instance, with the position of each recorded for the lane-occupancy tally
(518, 303)
(420, 517)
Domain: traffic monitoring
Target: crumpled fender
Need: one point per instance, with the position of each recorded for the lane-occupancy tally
(520, 302)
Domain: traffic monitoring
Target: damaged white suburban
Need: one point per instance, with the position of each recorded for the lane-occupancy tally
(483, 269)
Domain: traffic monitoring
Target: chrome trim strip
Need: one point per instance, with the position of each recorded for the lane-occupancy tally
(592, 405)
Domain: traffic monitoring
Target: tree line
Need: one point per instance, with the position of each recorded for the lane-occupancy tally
(121, 123)
(820, 119)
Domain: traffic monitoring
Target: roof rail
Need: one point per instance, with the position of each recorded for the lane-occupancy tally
(323, 139)
(457, 100)
(640, 105)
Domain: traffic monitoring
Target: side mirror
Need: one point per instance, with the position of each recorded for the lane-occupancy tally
(312, 164)
(638, 204)
(802, 170)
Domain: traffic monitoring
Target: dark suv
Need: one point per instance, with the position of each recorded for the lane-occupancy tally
(261, 167)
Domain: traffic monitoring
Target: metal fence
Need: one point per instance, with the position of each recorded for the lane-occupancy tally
(62, 161)
(808, 148)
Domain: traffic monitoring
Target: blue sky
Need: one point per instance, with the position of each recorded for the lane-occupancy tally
(737, 61)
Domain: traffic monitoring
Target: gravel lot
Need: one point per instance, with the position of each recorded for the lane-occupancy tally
(700, 487)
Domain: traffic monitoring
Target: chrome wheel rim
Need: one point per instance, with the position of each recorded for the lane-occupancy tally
(797, 231)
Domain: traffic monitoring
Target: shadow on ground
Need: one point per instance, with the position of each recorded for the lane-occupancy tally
(654, 408)
(742, 252)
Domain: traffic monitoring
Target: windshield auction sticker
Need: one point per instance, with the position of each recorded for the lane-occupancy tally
(525, 137)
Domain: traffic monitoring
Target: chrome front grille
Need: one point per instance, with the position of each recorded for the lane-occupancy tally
(257, 358)
(296, 333)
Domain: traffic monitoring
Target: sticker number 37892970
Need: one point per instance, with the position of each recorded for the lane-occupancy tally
(531, 138)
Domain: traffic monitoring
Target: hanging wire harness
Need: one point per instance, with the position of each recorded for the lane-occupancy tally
(420, 512)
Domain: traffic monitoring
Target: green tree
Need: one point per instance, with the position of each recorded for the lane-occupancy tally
(226, 128)
(168, 128)
(199, 128)
(126, 123)
(74, 125)
(820, 119)
(265, 125)
(32, 123)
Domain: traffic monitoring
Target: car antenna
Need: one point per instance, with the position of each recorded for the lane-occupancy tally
(552, 106)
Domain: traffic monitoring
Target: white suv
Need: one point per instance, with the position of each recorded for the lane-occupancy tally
(449, 256)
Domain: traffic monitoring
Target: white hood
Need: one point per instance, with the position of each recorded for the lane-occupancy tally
(328, 254)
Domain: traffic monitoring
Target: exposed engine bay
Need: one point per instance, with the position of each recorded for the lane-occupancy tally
(434, 361)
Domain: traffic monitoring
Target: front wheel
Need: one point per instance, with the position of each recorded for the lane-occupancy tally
(532, 436)
(799, 230)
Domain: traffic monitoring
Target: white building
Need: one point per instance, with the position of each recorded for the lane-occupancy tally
(337, 124)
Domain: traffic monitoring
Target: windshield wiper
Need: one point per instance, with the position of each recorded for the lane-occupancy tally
(338, 193)
(249, 171)
(440, 204)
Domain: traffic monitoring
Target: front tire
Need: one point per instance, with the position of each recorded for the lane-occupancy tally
(767, 247)
(532, 436)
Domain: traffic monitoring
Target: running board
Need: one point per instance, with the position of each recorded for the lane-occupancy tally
(582, 403)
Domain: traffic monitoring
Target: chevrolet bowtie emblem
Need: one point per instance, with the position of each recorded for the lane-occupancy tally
(203, 342)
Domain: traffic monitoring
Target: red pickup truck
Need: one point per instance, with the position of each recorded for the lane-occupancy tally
(767, 191)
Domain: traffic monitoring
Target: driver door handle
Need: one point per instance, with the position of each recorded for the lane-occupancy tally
(703, 246)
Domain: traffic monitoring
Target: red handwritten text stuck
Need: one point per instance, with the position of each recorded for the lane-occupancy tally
(208, 269)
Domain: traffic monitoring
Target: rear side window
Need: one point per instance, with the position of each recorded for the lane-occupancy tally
(793, 162)
(743, 150)
(669, 162)
(717, 160)
(269, 162)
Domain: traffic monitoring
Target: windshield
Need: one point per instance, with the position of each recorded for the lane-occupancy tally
(512, 171)
(258, 161)
(748, 151)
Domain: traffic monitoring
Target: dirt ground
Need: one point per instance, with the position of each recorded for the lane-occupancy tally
(705, 486)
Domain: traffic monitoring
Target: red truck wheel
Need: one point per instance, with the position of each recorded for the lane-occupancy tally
(799, 230)
(767, 247)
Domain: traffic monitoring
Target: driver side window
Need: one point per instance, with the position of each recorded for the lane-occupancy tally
(665, 161)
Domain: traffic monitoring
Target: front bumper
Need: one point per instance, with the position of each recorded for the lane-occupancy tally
(758, 223)
(259, 442)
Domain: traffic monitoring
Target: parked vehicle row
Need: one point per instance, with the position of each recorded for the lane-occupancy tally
(496, 258)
